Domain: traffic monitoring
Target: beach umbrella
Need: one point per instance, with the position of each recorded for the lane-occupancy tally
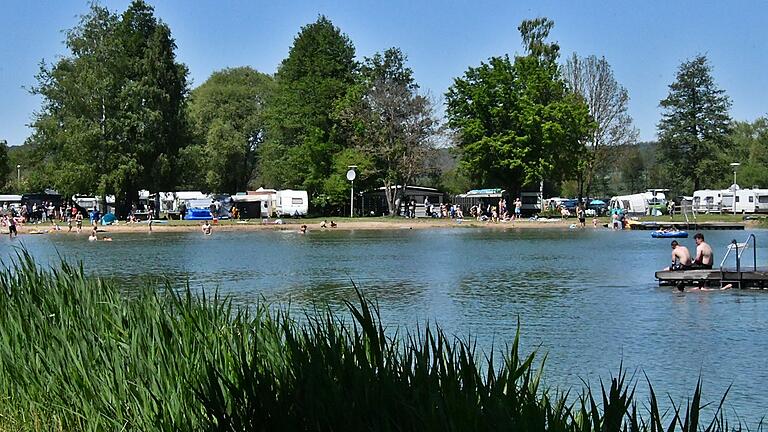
(597, 202)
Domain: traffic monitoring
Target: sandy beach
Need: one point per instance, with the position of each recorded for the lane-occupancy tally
(314, 224)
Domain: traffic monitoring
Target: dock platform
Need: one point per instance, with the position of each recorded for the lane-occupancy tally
(752, 278)
(687, 226)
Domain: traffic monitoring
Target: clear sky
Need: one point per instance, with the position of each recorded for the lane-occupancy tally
(644, 41)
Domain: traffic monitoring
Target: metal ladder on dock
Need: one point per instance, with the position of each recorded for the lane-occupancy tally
(739, 249)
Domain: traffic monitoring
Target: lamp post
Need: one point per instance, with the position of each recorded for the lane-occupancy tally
(734, 165)
(351, 174)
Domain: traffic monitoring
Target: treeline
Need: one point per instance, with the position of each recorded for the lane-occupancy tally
(118, 115)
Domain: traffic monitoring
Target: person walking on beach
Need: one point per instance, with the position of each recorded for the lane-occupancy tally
(581, 214)
(11, 224)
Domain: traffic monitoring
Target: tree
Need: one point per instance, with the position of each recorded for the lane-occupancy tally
(301, 142)
(227, 115)
(750, 147)
(5, 167)
(390, 121)
(517, 124)
(592, 79)
(113, 119)
(694, 129)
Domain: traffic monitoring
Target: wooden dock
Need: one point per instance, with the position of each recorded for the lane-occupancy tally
(715, 278)
(686, 226)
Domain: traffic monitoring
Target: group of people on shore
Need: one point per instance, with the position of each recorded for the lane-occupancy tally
(497, 213)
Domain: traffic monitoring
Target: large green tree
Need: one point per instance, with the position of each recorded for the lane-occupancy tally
(112, 119)
(694, 131)
(301, 140)
(517, 123)
(227, 115)
(391, 122)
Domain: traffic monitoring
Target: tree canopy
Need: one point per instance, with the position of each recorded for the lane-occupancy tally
(389, 121)
(592, 78)
(694, 128)
(301, 140)
(517, 124)
(113, 118)
(227, 116)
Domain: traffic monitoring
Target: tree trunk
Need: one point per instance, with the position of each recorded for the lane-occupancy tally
(390, 196)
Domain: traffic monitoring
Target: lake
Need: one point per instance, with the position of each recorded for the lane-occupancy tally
(586, 298)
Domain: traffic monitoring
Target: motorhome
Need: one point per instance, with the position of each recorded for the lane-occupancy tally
(707, 200)
(745, 201)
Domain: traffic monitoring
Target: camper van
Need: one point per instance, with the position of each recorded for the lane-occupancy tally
(745, 201)
(707, 200)
(292, 202)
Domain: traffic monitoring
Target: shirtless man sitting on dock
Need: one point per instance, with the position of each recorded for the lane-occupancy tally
(704, 256)
(681, 258)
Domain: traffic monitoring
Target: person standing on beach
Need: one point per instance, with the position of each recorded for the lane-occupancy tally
(79, 222)
(518, 208)
(581, 214)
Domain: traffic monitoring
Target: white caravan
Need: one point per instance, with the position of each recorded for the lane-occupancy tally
(638, 204)
(761, 200)
(194, 199)
(707, 200)
(745, 201)
(292, 202)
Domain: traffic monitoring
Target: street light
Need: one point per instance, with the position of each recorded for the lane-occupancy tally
(18, 173)
(734, 165)
(351, 174)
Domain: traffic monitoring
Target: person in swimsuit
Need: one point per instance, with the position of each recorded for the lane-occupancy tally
(681, 257)
(704, 255)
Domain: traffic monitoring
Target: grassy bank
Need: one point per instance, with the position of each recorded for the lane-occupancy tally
(76, 354)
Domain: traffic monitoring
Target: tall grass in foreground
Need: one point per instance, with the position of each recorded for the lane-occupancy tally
(75, 355)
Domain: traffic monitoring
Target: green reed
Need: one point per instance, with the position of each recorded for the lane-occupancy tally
(76, 354)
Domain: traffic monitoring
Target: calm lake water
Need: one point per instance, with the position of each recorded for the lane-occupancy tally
(587, 298)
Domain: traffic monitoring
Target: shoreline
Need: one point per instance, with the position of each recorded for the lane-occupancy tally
(314, 225)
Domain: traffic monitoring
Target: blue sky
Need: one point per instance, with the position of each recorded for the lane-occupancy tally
(644, 41)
